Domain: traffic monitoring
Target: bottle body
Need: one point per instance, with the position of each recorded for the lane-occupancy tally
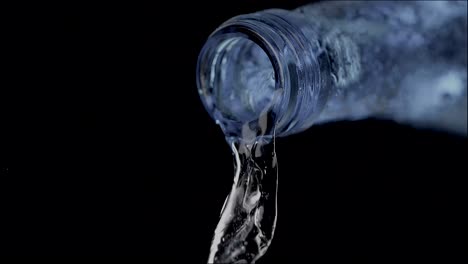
(339, 60)
(399, 60)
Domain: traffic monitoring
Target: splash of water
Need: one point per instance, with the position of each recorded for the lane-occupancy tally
(248, 218)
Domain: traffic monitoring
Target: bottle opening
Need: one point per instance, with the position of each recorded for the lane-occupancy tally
(236, 77)
(262, 65)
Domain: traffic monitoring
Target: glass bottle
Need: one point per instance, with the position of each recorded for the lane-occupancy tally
(338, 60)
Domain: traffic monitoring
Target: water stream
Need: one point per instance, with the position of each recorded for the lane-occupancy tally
(248, 217)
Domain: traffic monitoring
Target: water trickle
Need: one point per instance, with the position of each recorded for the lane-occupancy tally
(248, 217)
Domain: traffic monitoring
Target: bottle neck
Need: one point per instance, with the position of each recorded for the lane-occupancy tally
(261, 66)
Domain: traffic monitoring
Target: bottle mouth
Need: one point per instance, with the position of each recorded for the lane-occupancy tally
(239, 76)
(259, 67)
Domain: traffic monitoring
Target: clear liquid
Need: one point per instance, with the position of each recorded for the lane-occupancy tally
(248, 217)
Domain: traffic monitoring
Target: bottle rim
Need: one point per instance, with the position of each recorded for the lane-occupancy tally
(292, 57)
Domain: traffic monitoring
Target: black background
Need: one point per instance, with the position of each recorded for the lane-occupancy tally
(106, 150)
